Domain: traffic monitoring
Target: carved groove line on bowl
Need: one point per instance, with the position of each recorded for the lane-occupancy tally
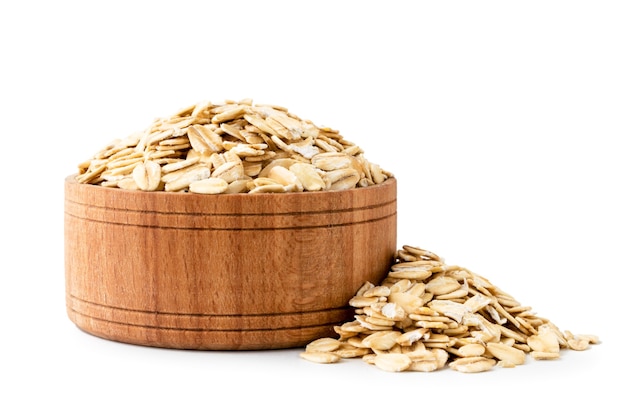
(300, 227)
(238, 214)
(224, 222)
(204, 321)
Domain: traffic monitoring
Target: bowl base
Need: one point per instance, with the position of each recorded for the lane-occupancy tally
(204, 332)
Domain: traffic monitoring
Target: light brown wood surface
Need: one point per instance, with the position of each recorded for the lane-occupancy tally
(222, 272)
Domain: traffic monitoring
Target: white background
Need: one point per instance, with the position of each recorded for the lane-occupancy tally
(503, 122)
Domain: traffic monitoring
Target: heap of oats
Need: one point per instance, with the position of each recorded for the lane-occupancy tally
(426, 314)
(232, 147)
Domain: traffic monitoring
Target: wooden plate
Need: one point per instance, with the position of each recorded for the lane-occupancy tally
(222, 272)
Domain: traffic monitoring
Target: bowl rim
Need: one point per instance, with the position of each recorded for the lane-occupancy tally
(186, 202)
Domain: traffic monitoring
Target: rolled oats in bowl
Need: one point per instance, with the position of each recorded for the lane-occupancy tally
(232, 147)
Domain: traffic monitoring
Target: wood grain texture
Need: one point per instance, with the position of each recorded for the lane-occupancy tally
(222, 272)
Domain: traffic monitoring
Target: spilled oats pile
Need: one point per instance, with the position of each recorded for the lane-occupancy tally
(232, 147)
(425, 315)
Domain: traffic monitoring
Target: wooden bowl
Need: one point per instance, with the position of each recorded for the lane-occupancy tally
(222, 272)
